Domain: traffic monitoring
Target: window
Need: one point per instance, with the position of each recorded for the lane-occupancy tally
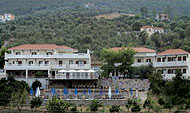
(173, 71)
(19, 62)
(158, 59)
(33, 53)
(173, 58)
(60, 62)
(80, 63)
(169, 59)
(49, 53)
(70, 62)
(169, 71)
(30, 62)
(139, 60)
(163, 59)
(18, 53)
(184, 70)
(184, 58)
(40, 62)
(179, 58)
(46, 63)
(148, 60)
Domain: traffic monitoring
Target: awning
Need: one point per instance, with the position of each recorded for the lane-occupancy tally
(81, 71)
(72, 71)
(62, 71)
(91, 71)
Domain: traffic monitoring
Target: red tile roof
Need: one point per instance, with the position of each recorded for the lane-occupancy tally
(146, 27)
(138, 49)
(173, 52)
(39, 47)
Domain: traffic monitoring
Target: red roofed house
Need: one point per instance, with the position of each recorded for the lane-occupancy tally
(143, 55)
(168, 61)
(162, 17)
(56, 65)
(151, 30)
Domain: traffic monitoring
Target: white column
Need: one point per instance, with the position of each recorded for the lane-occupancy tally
(26, 73)
(49, 75)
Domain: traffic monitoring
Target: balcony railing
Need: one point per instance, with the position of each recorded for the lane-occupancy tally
(26, 66)
(79, 66)
(8, 56)
(74, 77)
(171, 64)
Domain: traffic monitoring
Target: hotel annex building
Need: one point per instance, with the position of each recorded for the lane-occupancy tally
(64, 66)
(54, 64)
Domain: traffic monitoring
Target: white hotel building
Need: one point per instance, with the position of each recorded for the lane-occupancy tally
(59, 65)
(165, 62)
(168, 61)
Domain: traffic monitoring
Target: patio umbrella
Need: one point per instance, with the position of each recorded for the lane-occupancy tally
(117, 91)
(131, 91)
(52, 91)
(37, 92)
(109, 92)
(89, 91)
(76, 91)
(137, 93)
(101, 91)
(31, 91)
(65, 91)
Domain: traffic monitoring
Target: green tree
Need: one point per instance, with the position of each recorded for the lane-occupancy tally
(144, 11)
(143, 37)
(129, 104)
(137, 25)
(2, 56)
(114, 108)
(57, 105)
(136, 106)
(35, 102)
(95, 104)
(187, 32)
(148, 103)
(19, 98)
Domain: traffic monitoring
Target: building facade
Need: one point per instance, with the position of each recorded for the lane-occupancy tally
(151, 30)
(6, 17)
(143, 56)
(50, 62)
(168, 61)
(162, 17)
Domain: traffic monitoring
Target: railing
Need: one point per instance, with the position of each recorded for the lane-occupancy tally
(26, 66)
(140, 64)
(78, 66)
(170, 64)
(74, 77)
(7, 56)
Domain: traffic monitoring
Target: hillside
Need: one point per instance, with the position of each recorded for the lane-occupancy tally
(25, 7)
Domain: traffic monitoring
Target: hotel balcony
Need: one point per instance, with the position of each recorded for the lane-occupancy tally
(140, 64)
(26, 66)
(74, 77)
(171, 64)
(78, 66)
(70, 56)
(170, 76)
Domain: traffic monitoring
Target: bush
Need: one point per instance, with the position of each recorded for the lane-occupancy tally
(36, 102)
(115, 108)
